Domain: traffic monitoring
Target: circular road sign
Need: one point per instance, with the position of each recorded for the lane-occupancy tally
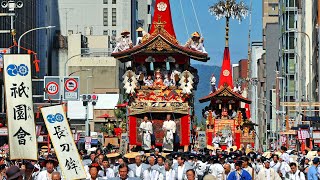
(52, 88)
(71, 85)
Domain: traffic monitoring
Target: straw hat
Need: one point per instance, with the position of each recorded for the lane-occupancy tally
(125, 32)
(195, 34)
(278, 153)
(112, 155)
(210, 147)
(139, 29)
(131, 155)
(267, 154)
(312, 153)
(164, 154)
(233, 147)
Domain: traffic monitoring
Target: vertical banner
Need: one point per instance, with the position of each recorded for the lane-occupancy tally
(202, 140)
(20, 115)
(62, 140)
(123, 144)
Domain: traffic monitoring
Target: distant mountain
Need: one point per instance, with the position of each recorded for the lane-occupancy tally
(204, 87)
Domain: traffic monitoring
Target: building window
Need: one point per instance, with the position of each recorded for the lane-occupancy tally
(105, 1)
(106, 32)
(114, 16)
(114, 33)
(105, 16)
(114, 1)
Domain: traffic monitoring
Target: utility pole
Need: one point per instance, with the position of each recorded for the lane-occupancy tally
(277, 106)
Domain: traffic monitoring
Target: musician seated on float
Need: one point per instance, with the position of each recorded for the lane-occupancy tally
(233, 114)
(149, 81)
(224, 113)
(168, 81)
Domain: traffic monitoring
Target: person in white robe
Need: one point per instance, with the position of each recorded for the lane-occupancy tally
(169, 126)
(229, 140)
(146, 130)
(216, 141)
(267, 172)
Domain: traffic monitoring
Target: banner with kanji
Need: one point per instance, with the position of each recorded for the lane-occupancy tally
(20, 115)
(62, 140)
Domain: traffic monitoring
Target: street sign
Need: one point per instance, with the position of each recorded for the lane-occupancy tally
(71, 89)
(52, 88)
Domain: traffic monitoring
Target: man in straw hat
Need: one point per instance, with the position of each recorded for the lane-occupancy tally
(196, 43)
(50, 163)
(124, 42)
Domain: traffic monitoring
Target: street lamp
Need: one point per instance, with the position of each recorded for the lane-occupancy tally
(65, 64)
(310, 68)
(79, 71)
(34, 29)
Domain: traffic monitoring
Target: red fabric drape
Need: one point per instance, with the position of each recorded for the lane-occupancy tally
(226, 72)
(162, 12)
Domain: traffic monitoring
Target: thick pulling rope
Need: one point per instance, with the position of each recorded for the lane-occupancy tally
(195, 14)
(184, 18)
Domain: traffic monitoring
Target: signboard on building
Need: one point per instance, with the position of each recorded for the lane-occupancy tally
(20, 114)
(62, 139)
(71, 91)
(202, 140)
(52, 88)
(123, 143)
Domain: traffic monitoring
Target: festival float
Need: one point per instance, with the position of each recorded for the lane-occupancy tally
(160, 79)
(224, 115)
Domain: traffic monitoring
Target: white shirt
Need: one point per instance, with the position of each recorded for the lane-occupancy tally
(268, 174)
(216, 140)
(285, 156)
(213, 80)
(169, 125)
(275, 166)
(109, 173)
(296, 176)
(138, 170)
(146, 126)
(180, 172)
(170, 175)
(229, 141)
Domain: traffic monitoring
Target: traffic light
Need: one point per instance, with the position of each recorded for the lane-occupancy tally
(94, 99)
(89, 98)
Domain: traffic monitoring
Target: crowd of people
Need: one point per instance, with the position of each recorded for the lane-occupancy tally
(217, 164)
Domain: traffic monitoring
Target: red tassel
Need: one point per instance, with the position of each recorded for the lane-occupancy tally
(4, 51)
(36, 64)
(29, 51)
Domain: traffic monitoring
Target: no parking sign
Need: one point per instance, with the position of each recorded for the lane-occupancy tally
(71, 88)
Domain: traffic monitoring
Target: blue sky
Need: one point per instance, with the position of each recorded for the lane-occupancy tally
(214, 30)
